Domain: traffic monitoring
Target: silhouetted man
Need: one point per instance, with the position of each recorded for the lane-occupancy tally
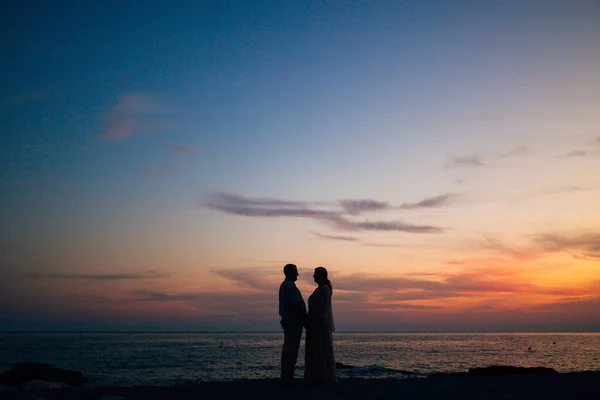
(293, 314)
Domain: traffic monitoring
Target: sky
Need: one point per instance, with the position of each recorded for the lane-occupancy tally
(161, 162)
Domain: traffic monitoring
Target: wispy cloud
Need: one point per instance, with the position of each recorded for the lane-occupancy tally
(273, 208)
(575, 153)
(398, 226)
(264, 207)
(431, 202)
(183, 149)
(96, 277)
(222, 303)
(241, 202)
(479, 160)
(591, 149)
(355, 207)
(585, 245)
(335, 237)
(134, 114)
(469, 161)
(520, 253)
(253, 278)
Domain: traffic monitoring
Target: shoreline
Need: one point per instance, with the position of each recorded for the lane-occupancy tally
(573, 385)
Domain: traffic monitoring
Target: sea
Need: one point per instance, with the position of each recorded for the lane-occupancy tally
(129, 359)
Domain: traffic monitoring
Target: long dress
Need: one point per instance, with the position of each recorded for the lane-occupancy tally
(320, 359)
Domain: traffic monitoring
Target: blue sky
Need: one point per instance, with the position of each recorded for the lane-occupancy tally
(120, 120)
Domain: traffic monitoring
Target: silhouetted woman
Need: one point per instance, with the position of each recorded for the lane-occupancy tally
(320, 360)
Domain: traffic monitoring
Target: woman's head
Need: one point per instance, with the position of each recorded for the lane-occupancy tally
(321, 278)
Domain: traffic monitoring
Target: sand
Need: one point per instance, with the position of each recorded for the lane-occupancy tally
(580, 385)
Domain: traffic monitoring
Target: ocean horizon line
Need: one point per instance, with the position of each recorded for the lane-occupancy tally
(493, 332)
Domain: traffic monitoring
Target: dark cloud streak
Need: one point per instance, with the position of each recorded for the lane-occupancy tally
(335, 237)
(355, 207)
(587, 244)
(95, 277)
(575, 153)
(478, 161)
(470, 161)
(431, 202)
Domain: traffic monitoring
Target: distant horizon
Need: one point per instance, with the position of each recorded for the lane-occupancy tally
(276, 332)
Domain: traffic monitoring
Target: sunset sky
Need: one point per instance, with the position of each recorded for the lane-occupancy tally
(160, 162)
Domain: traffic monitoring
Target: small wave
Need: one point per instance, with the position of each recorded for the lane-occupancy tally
(379, 369)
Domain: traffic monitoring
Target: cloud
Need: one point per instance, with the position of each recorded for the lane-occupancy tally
(134, 114)
(581, 246)
(585, 245)
(575, 153)
(477, 160)
(96, 277)
(264, 207)
(225, 304)
(242, 203)
(431, 202)
(398, 226)
(469, 161)
(519, 253)
(395, 307)
(183, 149)
(334, 237)
(412, 295)
(592, 146)
(355, 207)
(253, 278)
(272, 208)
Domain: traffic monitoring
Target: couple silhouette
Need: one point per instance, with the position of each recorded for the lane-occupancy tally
(319, 366)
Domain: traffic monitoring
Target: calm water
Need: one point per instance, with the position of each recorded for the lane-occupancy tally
(169, 358)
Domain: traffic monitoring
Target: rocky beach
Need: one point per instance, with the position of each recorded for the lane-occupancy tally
(495, 382)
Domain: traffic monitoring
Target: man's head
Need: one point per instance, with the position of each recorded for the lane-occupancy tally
(291, 272)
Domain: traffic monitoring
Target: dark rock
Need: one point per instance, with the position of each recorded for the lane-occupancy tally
(339, 365)
(496, 370)
(25, 372)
